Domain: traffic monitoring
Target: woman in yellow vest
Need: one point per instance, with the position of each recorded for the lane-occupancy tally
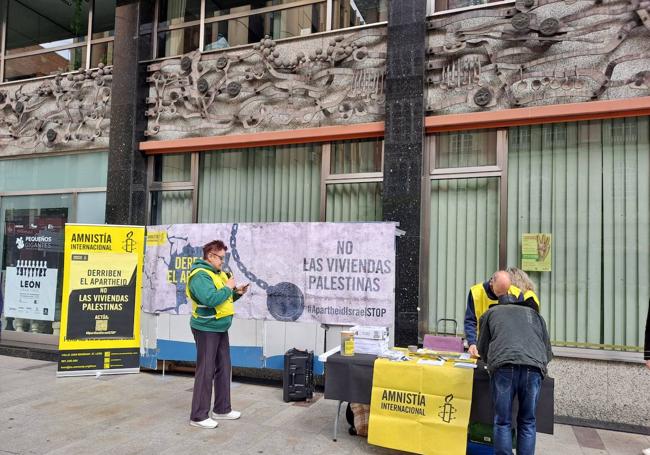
(212, 293)
(522, 281)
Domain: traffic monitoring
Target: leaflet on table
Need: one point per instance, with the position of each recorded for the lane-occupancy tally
(370, 331)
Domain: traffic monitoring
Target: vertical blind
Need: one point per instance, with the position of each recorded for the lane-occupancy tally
(466, 149)
(464, 237)
(260, 185)
(354, 202)
(353, 157)
(587, 185)
(172, 168)
(171, 207)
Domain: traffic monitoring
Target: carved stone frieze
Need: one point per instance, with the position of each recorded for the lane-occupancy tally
(309, 82)
(66, 112)
(538, 52)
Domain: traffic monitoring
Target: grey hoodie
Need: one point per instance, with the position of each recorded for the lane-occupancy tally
(514, 334)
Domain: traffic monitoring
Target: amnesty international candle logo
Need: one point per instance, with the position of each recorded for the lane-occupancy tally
(129, 244)
(447, 410)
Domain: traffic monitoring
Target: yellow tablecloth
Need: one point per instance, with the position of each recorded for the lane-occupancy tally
(420, 408)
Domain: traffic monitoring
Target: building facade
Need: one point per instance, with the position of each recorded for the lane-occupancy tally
(469, 123)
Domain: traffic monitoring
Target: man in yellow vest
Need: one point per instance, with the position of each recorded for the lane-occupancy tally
(212, 293)
(479, 299)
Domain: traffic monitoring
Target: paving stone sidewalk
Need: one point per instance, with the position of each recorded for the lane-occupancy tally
(147, 413)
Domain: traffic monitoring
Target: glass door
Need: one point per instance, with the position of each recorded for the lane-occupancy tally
(32, 238)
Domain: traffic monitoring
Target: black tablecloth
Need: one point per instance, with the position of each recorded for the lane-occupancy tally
(350, 379)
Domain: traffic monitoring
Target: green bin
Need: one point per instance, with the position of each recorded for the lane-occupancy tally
(481, 433)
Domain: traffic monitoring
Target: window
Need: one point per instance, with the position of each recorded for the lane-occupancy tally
(263, 184)
(181, 27)
(44, 37)
(285, 23)
(463, 216)
(353, 186)
(465, 149)
(341, 181)
(350, 13)
(37, 197)
(54, 172)
(438, 6)
(37, 216)
(586, 184)
(172, 168)
(172, 188)
(171, 207)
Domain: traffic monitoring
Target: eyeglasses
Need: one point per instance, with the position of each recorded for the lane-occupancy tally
(221, 258)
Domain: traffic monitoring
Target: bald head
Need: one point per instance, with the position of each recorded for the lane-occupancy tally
(500, 283)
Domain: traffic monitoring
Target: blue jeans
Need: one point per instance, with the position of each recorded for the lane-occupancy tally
(508, 381)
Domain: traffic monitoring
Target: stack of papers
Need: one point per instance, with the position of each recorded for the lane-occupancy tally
(394, 355)
(438, 362)
(370, 331)
(370, 339)
(370, 346)
(464, 365)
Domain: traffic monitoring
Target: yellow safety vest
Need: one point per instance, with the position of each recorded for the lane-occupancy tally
(227, 308)
(529, 294)
(482, 302)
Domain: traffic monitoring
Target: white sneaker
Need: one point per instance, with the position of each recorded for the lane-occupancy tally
(207, 423)
(232, 415)
(646, 451)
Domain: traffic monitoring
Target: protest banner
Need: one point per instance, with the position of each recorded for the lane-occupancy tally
(332, 273)
(100, 317)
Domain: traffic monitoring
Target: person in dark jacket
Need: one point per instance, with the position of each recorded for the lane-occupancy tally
(212, 293)
(479, 299)
(514, 342)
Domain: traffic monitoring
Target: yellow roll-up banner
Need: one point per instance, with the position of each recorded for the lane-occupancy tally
(101, 298)
(420, 408)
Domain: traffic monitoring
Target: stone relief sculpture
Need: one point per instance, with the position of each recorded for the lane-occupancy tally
(66, 111)
(305, 83)
(538, 52)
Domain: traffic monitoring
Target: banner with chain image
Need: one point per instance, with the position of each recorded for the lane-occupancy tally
(420, 408)
(333, 273)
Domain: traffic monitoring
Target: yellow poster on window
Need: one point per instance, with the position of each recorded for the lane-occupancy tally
(536, 252)
(420, 408)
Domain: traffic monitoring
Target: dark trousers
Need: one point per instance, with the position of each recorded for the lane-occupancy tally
(525, 382)
(212, 367)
